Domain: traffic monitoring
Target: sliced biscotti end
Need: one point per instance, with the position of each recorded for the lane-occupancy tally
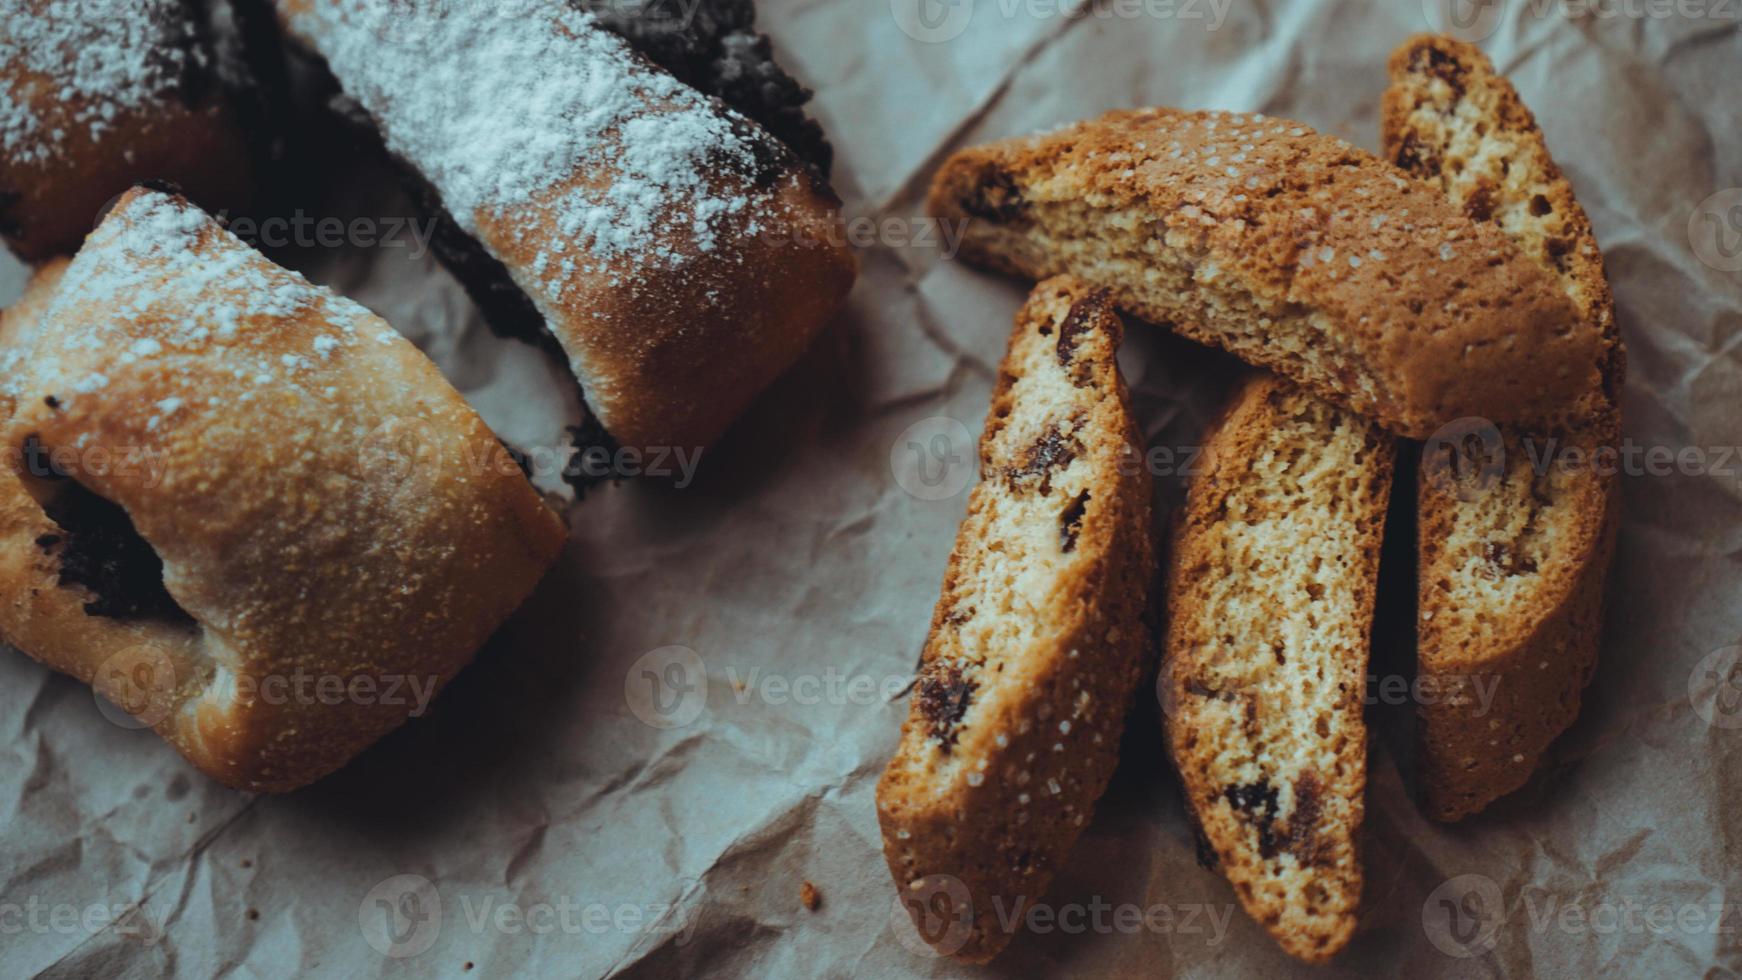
(1450, 119)
(1037, 641)
(1514, 548)
(1271, 587)
(1515, 541)
(1296, 252)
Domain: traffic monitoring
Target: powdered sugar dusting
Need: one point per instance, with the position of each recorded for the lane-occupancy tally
(160, 282)
(91, 60)
(511, 105)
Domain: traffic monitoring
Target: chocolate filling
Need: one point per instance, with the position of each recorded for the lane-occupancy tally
(99, 550)
(589, 435)
(713, 46)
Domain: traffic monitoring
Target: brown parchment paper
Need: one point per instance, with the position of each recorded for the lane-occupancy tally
(686, 722)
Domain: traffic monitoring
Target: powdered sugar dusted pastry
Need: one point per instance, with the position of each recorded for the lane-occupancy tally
(225, 486)
(1297, 252)
(680, 256)
(1038, 639)
(713, 46)
(98, 94)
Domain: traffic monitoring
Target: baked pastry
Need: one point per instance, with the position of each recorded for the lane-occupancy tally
(1270, 593)
(97, 95)
(1513, 553)
(1038, 639)
(713, 46)
(680, 256)
(1294, 251)
(231, 494)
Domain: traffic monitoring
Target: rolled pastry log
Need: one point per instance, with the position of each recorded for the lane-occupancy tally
(242, 507)
(679, 255)
(97, 95)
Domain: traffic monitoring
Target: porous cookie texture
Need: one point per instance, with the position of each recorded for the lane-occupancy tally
(1294, 251)
(1270, 592)
(680, 277)
(1038, 639)
(1514, 549)
(223, 485)
(97, 94)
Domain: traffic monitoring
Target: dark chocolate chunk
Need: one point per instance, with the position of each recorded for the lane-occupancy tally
(1078, 322)
(943, 698)
(1071, 522)
(1480, 206)
(1433, 61)
(1256, 803)
(997, 199)
(1054, 451)
(1411, 156)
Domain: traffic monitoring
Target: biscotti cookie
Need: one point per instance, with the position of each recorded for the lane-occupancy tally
(1294, 251)
(1038, 639)
(98, 94)
(228, 493)
(680, 256)
(1270, 591)
(1514, 551)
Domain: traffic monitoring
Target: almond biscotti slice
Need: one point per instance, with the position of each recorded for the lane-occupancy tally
(1514, 551)
(1038, 640)
(1270, 595)
(1296, 252)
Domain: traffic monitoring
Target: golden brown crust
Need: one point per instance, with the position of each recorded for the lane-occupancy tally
(1297, 252)
(672, 357)
(1037, 642)
(329, 512)
(1512, 576)
(48, 205)
(670, 338)
(1271, 584)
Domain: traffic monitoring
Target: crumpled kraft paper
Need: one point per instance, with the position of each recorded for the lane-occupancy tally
(686, 722)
